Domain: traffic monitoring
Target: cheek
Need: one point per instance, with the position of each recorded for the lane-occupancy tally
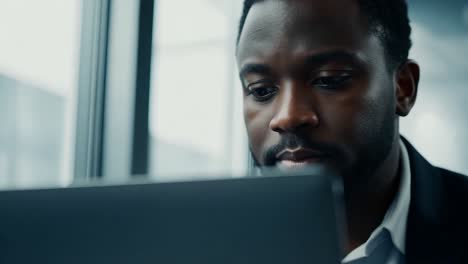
(354, 117)
(377, 116)
(344, 123)
(257, 122)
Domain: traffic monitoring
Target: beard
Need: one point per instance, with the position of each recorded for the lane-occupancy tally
(371, 154)
(372, 148)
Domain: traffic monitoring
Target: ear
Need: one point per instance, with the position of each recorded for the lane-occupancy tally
(407, 81)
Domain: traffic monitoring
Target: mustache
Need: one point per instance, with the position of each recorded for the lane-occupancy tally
(292, 141)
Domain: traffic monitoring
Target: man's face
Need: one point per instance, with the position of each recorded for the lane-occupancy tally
(316, 87)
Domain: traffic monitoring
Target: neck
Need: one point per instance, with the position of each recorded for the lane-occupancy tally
(366, 206)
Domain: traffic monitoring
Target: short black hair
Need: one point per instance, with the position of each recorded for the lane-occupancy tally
(388, 20)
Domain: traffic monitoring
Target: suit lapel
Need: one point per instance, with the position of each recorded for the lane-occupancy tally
(424, 240)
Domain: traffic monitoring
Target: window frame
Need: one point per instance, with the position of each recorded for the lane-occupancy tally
(113, 94)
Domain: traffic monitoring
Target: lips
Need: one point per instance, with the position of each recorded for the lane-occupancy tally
(299, 158)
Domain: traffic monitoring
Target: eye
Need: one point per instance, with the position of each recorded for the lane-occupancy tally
(262, 93)
(331, 82)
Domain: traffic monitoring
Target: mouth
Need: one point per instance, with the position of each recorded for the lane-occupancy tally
(299, 158)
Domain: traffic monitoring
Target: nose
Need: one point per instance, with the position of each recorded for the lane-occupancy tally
(295, 111)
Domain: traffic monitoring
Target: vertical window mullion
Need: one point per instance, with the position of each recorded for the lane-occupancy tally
(91, 89)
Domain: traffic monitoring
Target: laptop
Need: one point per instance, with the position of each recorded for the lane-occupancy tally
(262, 220)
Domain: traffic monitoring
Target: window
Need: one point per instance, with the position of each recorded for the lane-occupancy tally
(38, 82)
(437, 126)
(196, 125)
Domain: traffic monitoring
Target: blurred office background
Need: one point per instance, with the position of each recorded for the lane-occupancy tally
(106, 89)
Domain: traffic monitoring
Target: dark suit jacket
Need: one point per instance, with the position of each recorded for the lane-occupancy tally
(437, 229)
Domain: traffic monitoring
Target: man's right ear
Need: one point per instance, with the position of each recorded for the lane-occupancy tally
(407, 81)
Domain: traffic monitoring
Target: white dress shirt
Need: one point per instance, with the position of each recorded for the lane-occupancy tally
(386, 244)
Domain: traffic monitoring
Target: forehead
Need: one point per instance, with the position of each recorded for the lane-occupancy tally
(298, 26)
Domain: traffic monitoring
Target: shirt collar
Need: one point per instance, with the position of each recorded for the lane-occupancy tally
(396, 216)
(395, 219)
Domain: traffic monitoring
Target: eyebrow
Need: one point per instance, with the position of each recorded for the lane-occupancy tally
(253, 68)
(320, 59)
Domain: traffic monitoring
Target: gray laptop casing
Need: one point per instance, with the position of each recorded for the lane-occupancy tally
(261, 220)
